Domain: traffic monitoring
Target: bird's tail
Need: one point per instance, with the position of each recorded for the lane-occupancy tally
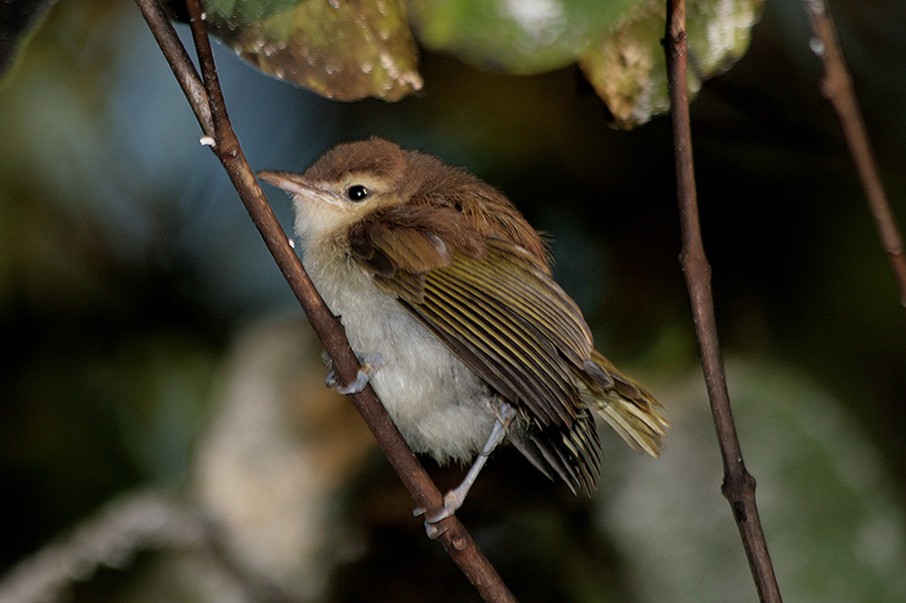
(629, 408)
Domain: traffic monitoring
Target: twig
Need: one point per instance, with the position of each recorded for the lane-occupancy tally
(837, 86)
(454, 537)
(738, 486)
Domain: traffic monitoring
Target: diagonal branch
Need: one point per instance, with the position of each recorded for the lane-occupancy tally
(739, 485)
(838, 88)
(208, 104)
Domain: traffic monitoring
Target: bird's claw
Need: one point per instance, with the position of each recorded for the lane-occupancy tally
(368, 367)
(452, 502)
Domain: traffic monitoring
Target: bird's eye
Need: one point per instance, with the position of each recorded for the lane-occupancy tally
(356, 192)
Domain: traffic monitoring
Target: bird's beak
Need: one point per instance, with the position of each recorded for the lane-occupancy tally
(295, 184)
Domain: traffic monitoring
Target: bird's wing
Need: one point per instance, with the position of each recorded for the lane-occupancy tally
(498, 308)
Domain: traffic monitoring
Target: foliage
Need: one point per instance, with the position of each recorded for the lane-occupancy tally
(351, 50)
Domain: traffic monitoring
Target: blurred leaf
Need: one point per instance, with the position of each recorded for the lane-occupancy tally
(628, 70)
(516, 36)
(18, 19)
(828, 500)
(343, 50)
(351, 50)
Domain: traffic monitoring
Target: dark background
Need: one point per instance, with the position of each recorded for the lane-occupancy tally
(128, 267)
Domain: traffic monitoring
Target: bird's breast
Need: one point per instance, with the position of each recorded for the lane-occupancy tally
(439, 405)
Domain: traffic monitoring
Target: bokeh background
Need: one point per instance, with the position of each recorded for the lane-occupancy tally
(164, 430)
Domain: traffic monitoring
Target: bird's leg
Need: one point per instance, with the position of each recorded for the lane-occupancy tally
(454, 498)
(368, 367)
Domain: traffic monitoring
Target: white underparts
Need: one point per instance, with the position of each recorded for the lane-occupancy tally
(439, 405)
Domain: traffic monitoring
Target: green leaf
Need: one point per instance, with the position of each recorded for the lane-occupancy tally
(628, 70)
(345, 50)
(515, 36)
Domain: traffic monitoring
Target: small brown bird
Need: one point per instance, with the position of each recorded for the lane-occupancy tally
(439, 279)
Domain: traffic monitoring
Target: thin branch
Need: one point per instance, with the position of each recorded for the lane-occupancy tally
(739, 485)
(838, 88)
(453, 536)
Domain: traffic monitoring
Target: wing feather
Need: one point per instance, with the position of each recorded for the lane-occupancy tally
(496, 306)
(519, 330)
(529, 352)
(528, 288)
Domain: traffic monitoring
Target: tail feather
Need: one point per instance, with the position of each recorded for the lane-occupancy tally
(573, 453)
(629, 408)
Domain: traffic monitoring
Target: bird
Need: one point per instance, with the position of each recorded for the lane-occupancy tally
(446, 291)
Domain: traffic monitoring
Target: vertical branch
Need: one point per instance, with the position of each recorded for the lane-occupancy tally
(838, 88)
(205, 96)
(739, 485)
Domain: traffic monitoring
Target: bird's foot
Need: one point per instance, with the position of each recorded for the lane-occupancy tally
(368, 366)
(452, 502)
(454, 499)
